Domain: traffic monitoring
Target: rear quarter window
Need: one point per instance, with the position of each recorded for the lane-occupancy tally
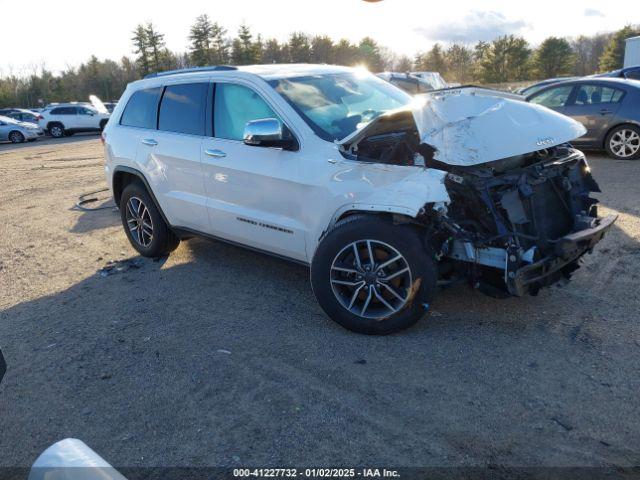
(142, 109)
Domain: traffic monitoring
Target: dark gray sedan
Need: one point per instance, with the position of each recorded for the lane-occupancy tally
(609, 108)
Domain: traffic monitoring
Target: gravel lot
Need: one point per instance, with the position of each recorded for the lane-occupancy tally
(221, 356)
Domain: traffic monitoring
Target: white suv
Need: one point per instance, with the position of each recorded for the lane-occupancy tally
(67, 119)
(382, 195)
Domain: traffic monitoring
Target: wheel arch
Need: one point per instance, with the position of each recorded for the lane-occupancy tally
(15, 131)
(123, 176)
(396, 214)
(50, 123)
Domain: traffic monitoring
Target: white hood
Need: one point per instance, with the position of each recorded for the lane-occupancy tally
(470, 126)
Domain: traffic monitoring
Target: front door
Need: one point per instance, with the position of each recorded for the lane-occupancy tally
(254, 194)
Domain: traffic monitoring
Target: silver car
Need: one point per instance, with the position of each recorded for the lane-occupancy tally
(18, 132)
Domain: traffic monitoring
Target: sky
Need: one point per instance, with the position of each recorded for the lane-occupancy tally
(64, 34)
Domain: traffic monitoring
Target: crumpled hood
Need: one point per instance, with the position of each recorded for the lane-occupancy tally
(471, 126)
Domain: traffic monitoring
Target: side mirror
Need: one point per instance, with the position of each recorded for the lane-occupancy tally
(268, 132)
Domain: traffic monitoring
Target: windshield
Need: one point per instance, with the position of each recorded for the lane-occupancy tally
(335, 105)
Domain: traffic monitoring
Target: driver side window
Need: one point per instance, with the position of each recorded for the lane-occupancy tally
(234, 106)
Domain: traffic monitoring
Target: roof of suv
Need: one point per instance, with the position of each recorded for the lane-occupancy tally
(267, 71)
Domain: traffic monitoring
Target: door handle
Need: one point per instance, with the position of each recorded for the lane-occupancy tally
(212, 152)
(150, 141)
(604, 111)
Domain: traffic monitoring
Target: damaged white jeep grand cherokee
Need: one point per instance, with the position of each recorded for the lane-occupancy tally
(383, 195)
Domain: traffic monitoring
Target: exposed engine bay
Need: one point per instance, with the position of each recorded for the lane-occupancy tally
(512, 225)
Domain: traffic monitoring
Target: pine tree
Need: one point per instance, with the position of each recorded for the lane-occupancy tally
(272, 52)
(243, 48)
(432, 61)
(158, 54)
(141, 48)
(200, 36)
(370, 56)
(299, 48)
(322, 49)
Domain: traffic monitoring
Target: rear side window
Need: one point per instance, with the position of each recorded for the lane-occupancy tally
(182, 108)
(64, 111)
(142, 109)
(596, 94)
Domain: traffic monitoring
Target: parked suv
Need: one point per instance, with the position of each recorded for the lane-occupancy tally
(381, 194)
(67, 119)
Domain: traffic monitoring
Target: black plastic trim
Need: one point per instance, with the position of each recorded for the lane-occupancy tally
(188, 232)
(140, 175)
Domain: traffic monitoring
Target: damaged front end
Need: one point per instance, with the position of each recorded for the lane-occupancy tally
(516, 225)
(520, 215)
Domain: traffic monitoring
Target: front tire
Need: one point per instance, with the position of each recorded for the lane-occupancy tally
(145, 228)
(372, 276)
(623, 143)
(16, 137)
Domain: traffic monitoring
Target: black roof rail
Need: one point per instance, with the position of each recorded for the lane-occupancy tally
(214, 68)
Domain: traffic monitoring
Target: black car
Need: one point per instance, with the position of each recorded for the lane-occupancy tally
(609, 108)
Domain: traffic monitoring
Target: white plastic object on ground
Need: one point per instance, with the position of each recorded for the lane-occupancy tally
(72, 459)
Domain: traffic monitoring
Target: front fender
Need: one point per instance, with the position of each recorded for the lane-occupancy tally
(379, 188)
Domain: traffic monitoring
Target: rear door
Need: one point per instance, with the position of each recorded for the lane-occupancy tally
(170, 154)
(254, 193)
(595, 106)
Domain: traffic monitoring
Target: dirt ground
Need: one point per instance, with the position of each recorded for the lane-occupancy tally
(220, 356)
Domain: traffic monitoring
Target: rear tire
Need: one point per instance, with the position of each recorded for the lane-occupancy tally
(16, 137)
(623, 143)
(145, 228)
(378, 296)
(56, 130)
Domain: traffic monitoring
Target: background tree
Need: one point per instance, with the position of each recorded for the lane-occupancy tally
(432, 61)
(587, 51)
(299, 48)
(370, 55)
(554, 58)
(459, 60)
(403, 64)
(505, 59)
(159, 56)
(243, 51)
(272, 52)
(141, 48)
(322, 49)
(345, 53)
(613, 55)
(200, 38)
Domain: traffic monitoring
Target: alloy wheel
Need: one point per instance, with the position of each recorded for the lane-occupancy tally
(625, 143)
(56, 131)
(371, 279)
(139, 221)
(16, 137)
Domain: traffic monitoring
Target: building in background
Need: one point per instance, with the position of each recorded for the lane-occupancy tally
(632, 52)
